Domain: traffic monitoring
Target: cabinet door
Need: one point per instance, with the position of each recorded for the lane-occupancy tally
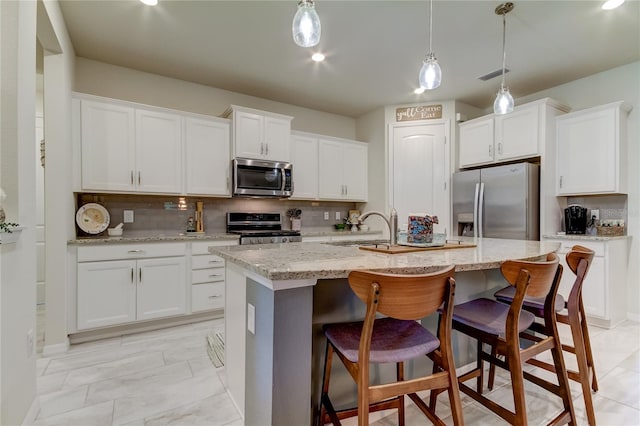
(330, 170)
(586, 153)
(277, 139)
(594, 290)
(476, 142)
(107, 146)
(158, 152)
(248, 135)
(207, 147)
(106, 293)
(355, 171)
(161, 287)
(517, 134)
(304, 156)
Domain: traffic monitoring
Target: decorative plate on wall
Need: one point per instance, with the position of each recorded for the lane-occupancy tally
(92, 218)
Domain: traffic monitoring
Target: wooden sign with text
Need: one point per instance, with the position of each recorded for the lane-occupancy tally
(423, 112)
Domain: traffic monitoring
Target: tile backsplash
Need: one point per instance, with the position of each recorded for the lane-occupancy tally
(170, 213)
(611, 207)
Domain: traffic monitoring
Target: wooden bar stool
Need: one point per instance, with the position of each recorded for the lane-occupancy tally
(500, 326)
(396, 338)
(579, 260)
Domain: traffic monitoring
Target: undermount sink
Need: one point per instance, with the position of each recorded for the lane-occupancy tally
(358, 243)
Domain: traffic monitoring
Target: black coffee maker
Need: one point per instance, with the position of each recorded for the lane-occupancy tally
(575, 219)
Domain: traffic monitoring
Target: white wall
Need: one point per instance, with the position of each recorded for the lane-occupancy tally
(101, 79)
(59, 214)
(622, 83)
(17, 177)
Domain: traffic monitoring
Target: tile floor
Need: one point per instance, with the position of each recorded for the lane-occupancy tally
(166, 378)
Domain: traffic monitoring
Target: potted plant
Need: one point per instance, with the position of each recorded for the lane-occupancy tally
(9, 232)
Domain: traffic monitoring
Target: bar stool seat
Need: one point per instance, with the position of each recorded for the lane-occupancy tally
(534, 305)
(489, 316)
(392, 340)
(395, 337)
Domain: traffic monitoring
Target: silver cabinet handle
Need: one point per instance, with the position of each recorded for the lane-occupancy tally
(135, 251)
(139, 178)
(131, 177)
(132, 275)
(215, 261)
(140, 275)
(214, 275)
(560, 181)
(490, 154)
(346, 190)
(267, 149)
(499, 147)
(215, 296)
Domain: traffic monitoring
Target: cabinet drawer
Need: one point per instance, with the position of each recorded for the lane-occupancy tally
(130, 251)
(202, 247)
(565, 246)
(207, 275)
(207, 296)
(206, 261)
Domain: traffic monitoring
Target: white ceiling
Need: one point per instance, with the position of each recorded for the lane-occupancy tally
(374, 48)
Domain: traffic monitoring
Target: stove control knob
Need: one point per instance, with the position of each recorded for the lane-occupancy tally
(259, 241)
(285, 239)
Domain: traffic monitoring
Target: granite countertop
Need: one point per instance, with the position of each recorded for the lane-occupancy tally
(298, 261)
(152, 236)
(580, 237)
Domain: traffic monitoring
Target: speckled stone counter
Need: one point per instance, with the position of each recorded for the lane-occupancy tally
(151, 236)
(298, 261)
(579, 237)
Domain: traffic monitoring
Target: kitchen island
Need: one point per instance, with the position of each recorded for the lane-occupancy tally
(279, 295)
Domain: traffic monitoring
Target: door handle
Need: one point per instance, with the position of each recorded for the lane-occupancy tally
(131, 275)
(480, 208)
(140, 275)
(475, 211)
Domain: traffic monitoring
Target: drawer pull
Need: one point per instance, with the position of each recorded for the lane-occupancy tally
(215, 296)
(135, 251)
(215, 261)
(214, 275)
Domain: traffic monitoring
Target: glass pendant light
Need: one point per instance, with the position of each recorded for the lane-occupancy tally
(306, 25)
(504, 101)
(430, 75)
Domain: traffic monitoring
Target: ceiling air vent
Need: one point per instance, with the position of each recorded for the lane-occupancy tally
(493, 74)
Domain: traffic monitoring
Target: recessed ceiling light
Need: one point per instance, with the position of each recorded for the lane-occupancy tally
(419, 91)
(318, 57)
(150, 2)
(612, 4)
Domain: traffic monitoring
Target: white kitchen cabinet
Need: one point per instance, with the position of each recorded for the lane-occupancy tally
(107, 133)
(260, 134)
(604, 291)
(500, 138)
(342, 170)
(476, 142)
(592, 151)
(158, 152)
(208, 156)
(207, 278)
(304, 157)
(130, 149)
(123, 283)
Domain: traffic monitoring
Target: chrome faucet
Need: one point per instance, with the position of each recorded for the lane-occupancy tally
(392, 223)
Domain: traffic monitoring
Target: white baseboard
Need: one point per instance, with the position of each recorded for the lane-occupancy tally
(59, 348)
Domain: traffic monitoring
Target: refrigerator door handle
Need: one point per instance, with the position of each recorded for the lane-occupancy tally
(475, 211)
(480, 208)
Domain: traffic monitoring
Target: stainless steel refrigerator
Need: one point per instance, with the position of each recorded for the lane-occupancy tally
(498, 202)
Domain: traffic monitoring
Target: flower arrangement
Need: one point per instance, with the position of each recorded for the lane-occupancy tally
(8, 227)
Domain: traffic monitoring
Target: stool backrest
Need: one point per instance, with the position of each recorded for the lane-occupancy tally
(406, 297)
(577, 254)
(541, 274)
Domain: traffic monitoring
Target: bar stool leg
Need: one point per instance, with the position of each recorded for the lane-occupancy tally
(400, 377)
(587, 348)
(480, 365)
(563, 378)
(324, 397)
(517, 384)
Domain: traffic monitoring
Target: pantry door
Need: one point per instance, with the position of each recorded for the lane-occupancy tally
(420, 170)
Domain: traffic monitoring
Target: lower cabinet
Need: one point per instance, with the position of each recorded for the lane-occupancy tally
(604, 292)
(207, 279)
(126, 283)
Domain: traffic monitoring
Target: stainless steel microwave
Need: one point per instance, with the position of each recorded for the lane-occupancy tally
(261, 178)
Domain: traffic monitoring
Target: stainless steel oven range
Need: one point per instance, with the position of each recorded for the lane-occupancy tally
(260, 228)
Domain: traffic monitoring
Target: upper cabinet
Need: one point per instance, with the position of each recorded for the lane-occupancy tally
(592, 151)
(207, 147)
(342, 170)
(260, 134)
(304, 157)
(127, 147)
(501, 138)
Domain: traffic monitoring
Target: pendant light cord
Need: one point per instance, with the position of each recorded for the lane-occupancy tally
(504, 42)
(430, 24)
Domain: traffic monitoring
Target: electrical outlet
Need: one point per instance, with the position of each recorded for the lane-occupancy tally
(337, 215)
(595, 214)
(30, 343)
(128, 216)
(251, 318)
(326, 215)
